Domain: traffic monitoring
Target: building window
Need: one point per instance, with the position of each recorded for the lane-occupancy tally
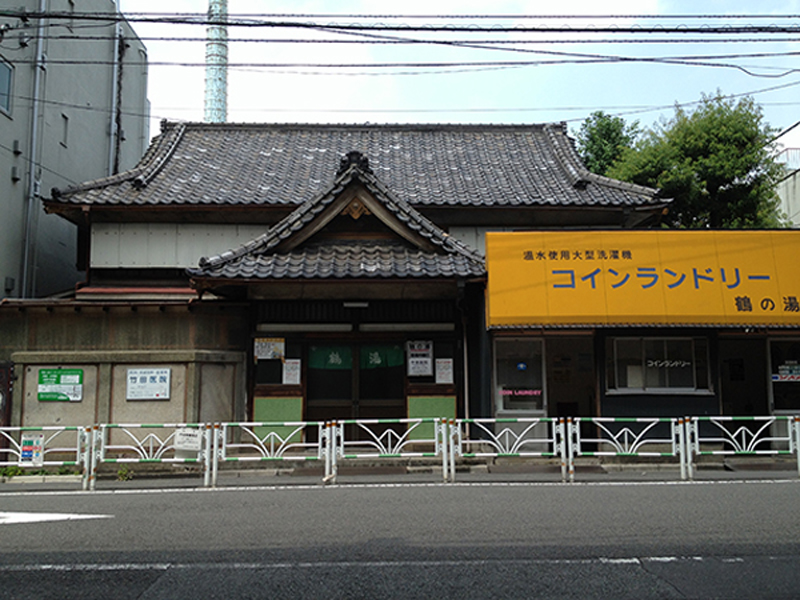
(64, 130)
(6, 77)
(657, 364)
(518, 374)
(785, 360)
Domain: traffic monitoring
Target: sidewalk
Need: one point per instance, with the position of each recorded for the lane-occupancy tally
(521, 472)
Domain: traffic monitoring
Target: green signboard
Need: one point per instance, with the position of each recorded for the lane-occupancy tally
(60, 385)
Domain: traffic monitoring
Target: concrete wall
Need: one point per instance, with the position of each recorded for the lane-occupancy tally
(789, 193)
(75, 140)
(204, 348)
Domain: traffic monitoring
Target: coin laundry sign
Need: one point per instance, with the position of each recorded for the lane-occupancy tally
(643, 277)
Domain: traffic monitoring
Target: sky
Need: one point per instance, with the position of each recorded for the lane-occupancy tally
(644, 92)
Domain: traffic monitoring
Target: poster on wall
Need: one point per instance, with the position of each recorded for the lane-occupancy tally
(60, 385)
(444, 371)
(148, 384)
(789, 371)
(291, 371)
(269, 348)
(420, 358)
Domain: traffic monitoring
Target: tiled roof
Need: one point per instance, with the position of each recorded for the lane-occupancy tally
(343, 260)
(199, 164)
(273, 256)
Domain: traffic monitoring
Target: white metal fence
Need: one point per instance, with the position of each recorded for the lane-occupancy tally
(452, 442)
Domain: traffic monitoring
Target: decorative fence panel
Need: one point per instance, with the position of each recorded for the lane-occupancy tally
(627, 437)
(268, 442)
(743, 436)
(168, 443)
(210, 445)
(511, 438)
(40, 447)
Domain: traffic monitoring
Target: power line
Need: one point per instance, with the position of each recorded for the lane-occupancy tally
(39, 165)
(427, 65)
(630, 109)
(186, 19)
(409, 41)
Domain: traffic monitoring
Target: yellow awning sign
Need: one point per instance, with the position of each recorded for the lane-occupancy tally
(643, 278)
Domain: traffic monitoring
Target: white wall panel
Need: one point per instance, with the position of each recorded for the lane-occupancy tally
(140, 245)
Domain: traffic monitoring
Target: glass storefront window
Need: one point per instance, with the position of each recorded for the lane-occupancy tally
(785, 359)
(519, 381)
(658, 364)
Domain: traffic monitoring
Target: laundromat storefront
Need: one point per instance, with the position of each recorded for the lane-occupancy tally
(680, 322)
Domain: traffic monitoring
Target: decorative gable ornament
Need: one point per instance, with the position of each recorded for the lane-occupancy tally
(356, 209)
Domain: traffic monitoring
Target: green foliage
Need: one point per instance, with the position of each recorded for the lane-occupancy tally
(716, 163)
(124, 474)
(11, 471)
(603, 138)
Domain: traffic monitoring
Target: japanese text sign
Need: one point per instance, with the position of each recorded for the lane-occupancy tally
(643, 277)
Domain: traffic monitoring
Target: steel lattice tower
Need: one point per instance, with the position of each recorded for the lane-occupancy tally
(216, 100)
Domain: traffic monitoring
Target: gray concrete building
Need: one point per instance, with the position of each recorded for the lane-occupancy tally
(789, 186)
(73, 108)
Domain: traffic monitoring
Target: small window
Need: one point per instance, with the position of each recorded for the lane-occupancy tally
(64, 130)
(6, 77)
(658, 364)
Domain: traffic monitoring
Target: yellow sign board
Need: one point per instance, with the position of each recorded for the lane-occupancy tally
(643, 278)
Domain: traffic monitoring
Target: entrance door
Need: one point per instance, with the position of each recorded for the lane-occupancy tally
(744, 377)
(355, 381)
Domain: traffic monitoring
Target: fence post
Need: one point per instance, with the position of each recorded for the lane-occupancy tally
(207, 456)
(93, 458)
(442, 428)
(215, 450)
(797, 442)
(572, 429)
(337, 448)
(691, 434)
(451, 431)
(682, 446)
(330, 448)
(326, 439)
(86, 449)
(559, 433)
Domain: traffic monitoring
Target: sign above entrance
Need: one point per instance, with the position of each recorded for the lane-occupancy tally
(643, 277)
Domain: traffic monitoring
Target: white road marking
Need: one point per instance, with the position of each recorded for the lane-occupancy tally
(388, 564)
(14, 518)
(356, 485)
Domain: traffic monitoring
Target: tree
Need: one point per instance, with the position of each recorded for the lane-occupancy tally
(603, 138)
(716, 163)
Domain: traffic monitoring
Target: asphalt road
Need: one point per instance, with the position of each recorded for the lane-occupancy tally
(528, 540)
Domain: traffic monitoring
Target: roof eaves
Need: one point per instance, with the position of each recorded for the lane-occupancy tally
(578, 175)
(152, 162)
